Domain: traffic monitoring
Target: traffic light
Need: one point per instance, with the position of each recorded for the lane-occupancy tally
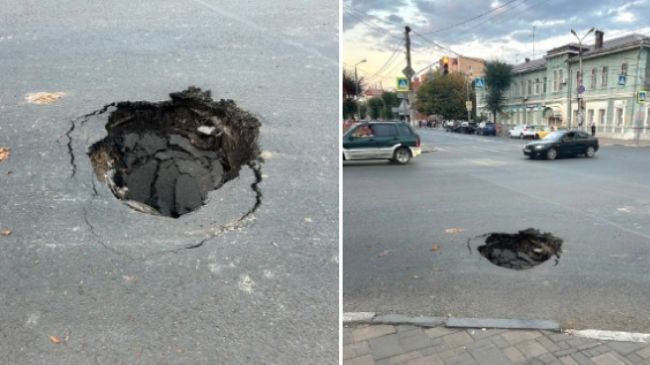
(445, 65)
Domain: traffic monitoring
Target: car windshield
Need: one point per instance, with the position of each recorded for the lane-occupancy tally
(554, 136)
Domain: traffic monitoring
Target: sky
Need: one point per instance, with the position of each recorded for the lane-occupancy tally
(490, 29)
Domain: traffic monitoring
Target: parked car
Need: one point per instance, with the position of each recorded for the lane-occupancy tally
(381, 140)
(562, 143)
(487, 129)
(522, 131)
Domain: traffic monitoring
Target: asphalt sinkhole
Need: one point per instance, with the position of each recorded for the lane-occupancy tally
(164, 157)
(522, 250)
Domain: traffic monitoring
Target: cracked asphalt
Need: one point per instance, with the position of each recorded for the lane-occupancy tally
(216, 285)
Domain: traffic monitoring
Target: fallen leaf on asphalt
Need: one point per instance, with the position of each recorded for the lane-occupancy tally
(128, 278)
(43, 97)
(5, 232)
(4, 153)
(435, 248)
(383, 253)
(625, 209)
(454, 230)
(308, 220)
(55, 340)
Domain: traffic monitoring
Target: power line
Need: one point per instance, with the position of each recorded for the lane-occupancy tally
(472, 18)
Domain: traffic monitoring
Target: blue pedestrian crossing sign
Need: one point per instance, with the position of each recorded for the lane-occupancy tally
(642, 97)
(402, 84)
(479, 83)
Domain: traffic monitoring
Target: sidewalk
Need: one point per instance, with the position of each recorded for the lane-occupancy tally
(413, 345)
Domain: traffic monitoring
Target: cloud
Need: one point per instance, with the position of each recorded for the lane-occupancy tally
(625, 17)
(548, 23)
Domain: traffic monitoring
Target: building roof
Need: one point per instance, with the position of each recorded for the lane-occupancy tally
(589, 51)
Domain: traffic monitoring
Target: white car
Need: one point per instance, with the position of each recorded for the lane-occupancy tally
(523, 131)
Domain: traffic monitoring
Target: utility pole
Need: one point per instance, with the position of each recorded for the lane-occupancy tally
(408, 71)
(407, 36)
(581, 88)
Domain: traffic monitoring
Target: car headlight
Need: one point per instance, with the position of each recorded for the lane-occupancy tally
(539, 146)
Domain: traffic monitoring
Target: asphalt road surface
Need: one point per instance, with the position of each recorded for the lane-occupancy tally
(86, 279)
(394, 215)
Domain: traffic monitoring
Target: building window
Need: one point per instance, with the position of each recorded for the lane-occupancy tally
(618, 117)
(544, 86)
(537, 86)
(603, 81)
(561, 78)
(624, 69)
(590, 116)
(530, 87)
(523, 88)
(601, 116)
(593, 78)
(554, 80)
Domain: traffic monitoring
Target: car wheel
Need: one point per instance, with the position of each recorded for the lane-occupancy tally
(521, 136)
(402, 155)
(590, 151)
(551, 154)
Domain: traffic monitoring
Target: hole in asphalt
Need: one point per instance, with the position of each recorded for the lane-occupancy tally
(522, 250)
(164, 157)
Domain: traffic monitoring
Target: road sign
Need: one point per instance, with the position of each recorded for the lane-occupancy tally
(468, 105)
(621, 80)
(408, 72)
(642, 96)
(402, 84)
(581, 89)
(479, 83)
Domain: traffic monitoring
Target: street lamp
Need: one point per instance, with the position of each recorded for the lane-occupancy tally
(356, 87)
(580, 85)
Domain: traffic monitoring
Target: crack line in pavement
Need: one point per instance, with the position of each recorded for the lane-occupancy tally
(102, 243)
(70, 150)
(83, 119)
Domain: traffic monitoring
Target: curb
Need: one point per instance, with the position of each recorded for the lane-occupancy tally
(372, 318)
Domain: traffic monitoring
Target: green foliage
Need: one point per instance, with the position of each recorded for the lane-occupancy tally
(444, 95)
(498, 76)
(375, 107)
(391, 101)
(350, 91)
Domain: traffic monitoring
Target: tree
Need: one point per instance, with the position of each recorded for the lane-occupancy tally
(444, 95)
(498, 76)
(375, 107)
(390, 101)
(350, 93)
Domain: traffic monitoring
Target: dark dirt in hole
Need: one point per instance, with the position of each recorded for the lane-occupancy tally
(522, 250)
(164, 158)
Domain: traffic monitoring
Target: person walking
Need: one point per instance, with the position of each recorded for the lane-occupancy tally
(593, 129)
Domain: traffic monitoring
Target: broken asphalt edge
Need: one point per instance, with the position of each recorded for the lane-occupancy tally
(356, 318)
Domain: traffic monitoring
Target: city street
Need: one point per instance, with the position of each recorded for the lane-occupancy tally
(405, 233)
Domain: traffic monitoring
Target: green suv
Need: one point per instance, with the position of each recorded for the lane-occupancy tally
(394, 141)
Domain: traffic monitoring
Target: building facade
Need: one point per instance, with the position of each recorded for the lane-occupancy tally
(546, 91)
